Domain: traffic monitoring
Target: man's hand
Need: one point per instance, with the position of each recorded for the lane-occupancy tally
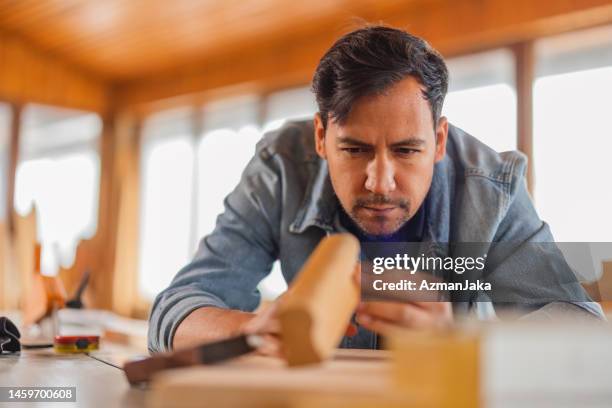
(209, 324)
(383, 317)
(266, 324)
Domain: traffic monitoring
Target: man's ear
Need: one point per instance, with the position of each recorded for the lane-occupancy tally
(441, 138)
(319, 135)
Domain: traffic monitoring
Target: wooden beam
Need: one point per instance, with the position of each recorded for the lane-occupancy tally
(28, 74)
(13, 160)
(103, 275)
(452, 27)
(525, 71)
(123, 257)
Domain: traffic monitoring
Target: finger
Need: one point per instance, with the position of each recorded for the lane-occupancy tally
(262, 323)
(271, 346)
(442, 312)
(401, 314)
(433, 306)
(265, 321)
(384, 308)
(376, 325)
(392, 311)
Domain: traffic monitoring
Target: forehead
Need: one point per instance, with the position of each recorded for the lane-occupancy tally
(399, 112)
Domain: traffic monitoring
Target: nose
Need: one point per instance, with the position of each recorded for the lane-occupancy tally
(380, 175)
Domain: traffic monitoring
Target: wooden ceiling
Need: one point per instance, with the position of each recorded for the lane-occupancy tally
(122, 40)
(103, 54)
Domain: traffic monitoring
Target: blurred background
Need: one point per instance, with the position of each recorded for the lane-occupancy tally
(123, 124)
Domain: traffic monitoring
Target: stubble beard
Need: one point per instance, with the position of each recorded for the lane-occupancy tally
(385, 226)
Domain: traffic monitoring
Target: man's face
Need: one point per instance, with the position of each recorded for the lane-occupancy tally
(381, 159)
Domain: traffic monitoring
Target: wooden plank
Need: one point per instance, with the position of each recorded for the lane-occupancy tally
(317, 308)
(263, 381)
(448, 366)
(507, 363)
(525, 71)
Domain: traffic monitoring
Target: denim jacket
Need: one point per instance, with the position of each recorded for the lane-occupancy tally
(285, 204)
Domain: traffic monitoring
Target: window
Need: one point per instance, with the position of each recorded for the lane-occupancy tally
(58, 173)
(230, 134)
(481, 98)
(5, 124)
(572, 141)
(165, 199)
(296, 103)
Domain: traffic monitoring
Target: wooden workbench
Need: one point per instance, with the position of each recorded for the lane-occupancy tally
(355, 378)
(97, 383)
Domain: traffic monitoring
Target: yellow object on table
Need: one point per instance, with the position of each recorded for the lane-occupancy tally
(76, 344)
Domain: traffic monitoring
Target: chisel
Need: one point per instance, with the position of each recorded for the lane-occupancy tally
(140, 371)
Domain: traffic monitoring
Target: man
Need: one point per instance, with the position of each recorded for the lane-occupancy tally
(381, 162)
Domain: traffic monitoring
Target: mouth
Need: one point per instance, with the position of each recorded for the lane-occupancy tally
(379, 210)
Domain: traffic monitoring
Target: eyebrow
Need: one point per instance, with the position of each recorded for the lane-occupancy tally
(351, 141)
(411, 141)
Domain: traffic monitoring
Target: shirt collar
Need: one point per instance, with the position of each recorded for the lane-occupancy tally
(320, 203)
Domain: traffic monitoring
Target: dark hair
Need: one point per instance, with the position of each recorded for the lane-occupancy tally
(370, 60)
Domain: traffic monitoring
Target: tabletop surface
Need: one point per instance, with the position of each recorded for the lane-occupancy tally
(98, 384)
(98, 378)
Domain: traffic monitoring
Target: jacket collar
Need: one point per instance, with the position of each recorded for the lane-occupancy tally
(320, 203)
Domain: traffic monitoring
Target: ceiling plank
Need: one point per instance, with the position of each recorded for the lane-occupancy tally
(451, 27)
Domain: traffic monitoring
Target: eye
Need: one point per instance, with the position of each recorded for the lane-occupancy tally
(354, 150)
(406, 151)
